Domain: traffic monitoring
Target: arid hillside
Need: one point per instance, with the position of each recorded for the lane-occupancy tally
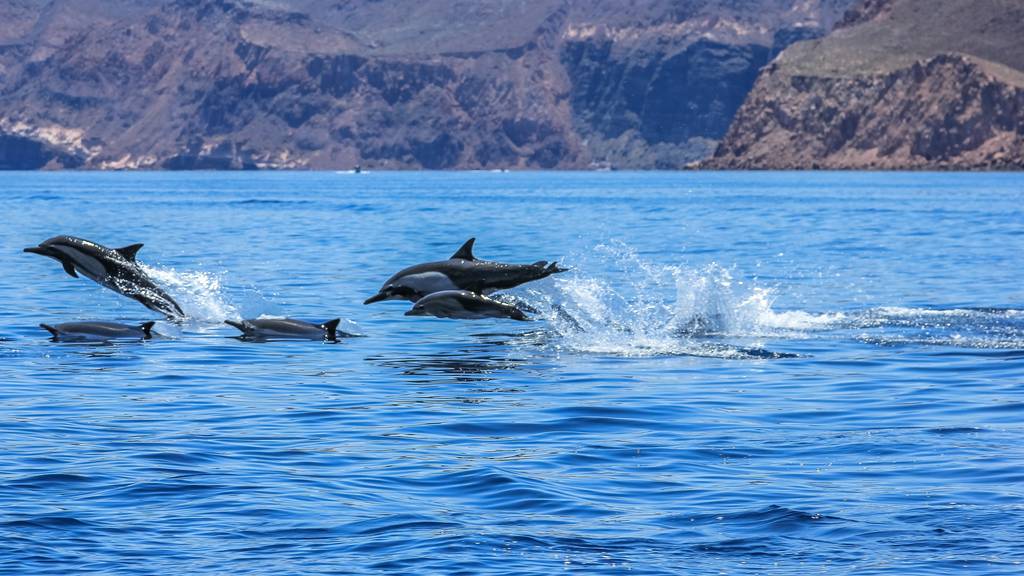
(899, 84)
(400, 84)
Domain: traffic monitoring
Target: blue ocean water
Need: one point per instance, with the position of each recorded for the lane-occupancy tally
(777, 373)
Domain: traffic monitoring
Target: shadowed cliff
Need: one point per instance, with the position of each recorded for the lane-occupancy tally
(224, 84)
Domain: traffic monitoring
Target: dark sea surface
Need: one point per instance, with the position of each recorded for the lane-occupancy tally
(743, 373)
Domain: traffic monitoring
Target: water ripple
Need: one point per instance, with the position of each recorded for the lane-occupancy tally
(742, 373)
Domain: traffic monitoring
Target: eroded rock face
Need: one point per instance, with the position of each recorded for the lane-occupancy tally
(23, 153)
(219, 84)
(925, 109)
(947, 112)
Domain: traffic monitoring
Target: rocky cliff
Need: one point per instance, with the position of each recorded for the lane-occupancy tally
(228, 84)
(899, 84)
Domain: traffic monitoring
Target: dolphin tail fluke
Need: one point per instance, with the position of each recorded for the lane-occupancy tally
(332, 328)
(53, 331)
(552, 268)
(147, 329)
(180, 312)
(466, 252)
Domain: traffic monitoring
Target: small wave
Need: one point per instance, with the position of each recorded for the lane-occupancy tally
(49, 480)
(957, 430)
(47, 522)
(975, 328)
(259, 202)
(771, 519)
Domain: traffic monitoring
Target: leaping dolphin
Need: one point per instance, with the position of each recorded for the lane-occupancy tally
(461, 272)
(78, 331)
(113, 268)
(287, 328)
(464, 305)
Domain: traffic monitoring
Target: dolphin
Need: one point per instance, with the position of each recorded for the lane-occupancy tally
(461, 272)
(78, 331)
(463, 304)
(275, 328)
(114, 268)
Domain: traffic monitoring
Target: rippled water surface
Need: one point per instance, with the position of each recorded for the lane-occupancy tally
(741, 373)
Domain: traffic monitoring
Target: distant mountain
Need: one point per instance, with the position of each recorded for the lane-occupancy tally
(899, 84)
(397, 84)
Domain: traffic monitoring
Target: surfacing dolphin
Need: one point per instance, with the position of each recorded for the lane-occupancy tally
(79, 331)
(113, 268)
(463, 305)
(461, 272)
(287, 328)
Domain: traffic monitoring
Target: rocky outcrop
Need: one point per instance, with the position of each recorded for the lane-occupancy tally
(950, 100)
(226, 84)
(21, 153)
(947, 112)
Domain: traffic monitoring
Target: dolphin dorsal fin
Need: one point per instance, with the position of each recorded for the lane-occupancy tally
(466, 252)
(332, 328)
(53, 331)
(129, 251)
(69, 268)
(147, 328)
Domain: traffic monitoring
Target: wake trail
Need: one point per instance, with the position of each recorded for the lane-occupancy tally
(639, 308)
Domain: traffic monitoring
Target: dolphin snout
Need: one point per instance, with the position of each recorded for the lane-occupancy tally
(35, 250)
(376, 298)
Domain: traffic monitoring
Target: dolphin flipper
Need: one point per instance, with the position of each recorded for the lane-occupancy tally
(69, 268)
(466, 252)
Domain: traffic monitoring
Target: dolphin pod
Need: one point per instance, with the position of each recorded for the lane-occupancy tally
(462, 271)
(458, 287)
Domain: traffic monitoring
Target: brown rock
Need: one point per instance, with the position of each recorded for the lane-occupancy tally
(225, 84)
(911, 84)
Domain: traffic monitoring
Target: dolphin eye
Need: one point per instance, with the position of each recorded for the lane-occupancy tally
(402, 291)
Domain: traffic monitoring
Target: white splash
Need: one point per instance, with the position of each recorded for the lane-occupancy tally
(647, 309)
(200, 294)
